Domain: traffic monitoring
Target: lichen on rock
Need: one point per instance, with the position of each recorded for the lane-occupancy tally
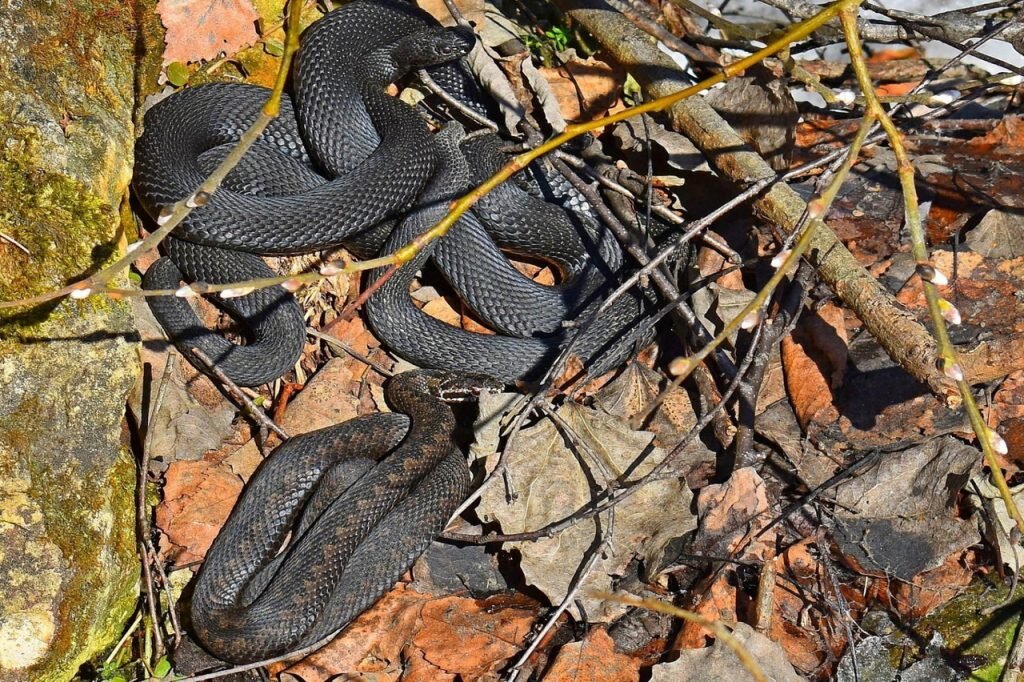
(68, 570)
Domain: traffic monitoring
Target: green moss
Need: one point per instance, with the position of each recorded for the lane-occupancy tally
(99, 594)
(967, 631)
(65, 227)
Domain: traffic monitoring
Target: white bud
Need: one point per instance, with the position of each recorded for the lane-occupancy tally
(953, 371)
(949, 312)
(291, 285)
(780, 258)
(80, 293)
(330, 269)
(846, 97)
(997, 442)
(751, 320)
(235, 292)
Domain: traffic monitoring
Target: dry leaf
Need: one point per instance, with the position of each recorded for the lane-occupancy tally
(325, 401)
(999, 234)
(550, 485)
(719, 661)
(598, 85)
(198, 496)
(372, 645)
(593, 659)
(808, 371)
(898, 517)
(471, 638)
(194, 416)
(199, 30)
(731, 514)
(1010, 553)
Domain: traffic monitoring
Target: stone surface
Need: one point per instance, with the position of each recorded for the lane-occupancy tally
(68, 571)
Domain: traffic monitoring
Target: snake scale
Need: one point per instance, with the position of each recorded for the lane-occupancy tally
(346, 164)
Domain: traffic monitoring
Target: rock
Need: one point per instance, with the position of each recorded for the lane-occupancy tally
(68, 570)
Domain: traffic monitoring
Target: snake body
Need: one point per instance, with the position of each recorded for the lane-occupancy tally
(361, 500)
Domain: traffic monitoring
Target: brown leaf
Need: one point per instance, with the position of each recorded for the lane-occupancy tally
(198, 496)
(199, 30)
(999, 234)
(471, 638)
(719, 661)
(546, 473)
(731, 514)
(898, 517)
(372, 646)
(325, 401)
(597, 83)
(809, 374)
(593, 659)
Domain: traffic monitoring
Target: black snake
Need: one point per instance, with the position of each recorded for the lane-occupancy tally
(343, 165)
(351, 543)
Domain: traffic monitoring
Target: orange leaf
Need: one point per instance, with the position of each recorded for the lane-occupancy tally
(198, 496)
(371, 647)
(593, 660)
(471, 638)
(199, 30)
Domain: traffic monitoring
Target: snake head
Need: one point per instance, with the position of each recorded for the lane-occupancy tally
(453, 387)
(433, 46)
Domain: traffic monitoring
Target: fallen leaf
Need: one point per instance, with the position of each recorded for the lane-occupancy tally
(637, 388)
(471, 638)
(549, 484)
(198, 496)
(593, 659)
(193, 416)
(326, 400)
(898, 517)
(720, 662)
(199, 30)
(585, 88)
(1007, 417)
(984, 496)
(814, 360)
(999, 234)
(730, 516)
(372, 646)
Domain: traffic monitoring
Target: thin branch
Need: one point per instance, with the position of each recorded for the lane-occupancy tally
(172, 216)
(248, 406)
(988, 439)
(340, 345)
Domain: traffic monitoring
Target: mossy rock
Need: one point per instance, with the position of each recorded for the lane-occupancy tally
(68, 568)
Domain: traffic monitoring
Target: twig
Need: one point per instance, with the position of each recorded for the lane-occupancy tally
(147, 553)
(715, 627)
(337, 344)
(988, 439)
(14, 242)
(455, 104)
(660, 278)
(662, 212)
(607, 498)
(249, 407)
(899, 332)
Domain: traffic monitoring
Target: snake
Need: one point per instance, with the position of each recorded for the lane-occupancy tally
(361, 501)
(346, 164)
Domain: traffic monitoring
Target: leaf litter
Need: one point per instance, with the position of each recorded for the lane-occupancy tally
(906, 534)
